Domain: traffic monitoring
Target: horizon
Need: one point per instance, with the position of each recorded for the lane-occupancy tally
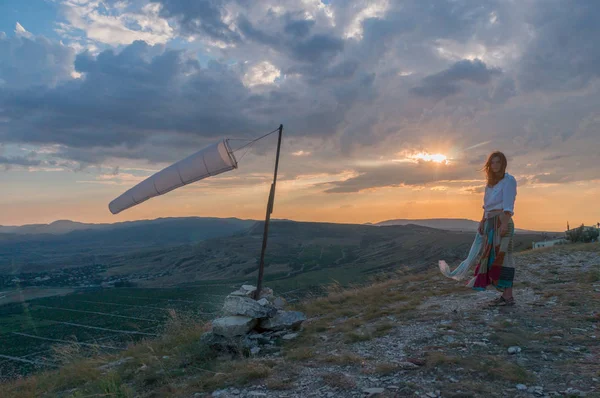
(272, 219)
(384, 118)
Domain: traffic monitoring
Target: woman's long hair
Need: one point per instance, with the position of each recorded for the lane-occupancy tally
(492, 178)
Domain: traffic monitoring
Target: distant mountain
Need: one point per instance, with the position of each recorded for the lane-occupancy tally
(448, 224)
(61, 227)
(178, 251)
(54, 228)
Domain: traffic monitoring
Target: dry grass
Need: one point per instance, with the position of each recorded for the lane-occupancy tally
(338, 380)
(346, 358)
(385, 368)
(356, 337)
(434, 359)
(382, 329)
(235, 373)
(277, 383)
(299, 354)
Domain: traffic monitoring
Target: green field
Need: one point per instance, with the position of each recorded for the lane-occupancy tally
(108, 318)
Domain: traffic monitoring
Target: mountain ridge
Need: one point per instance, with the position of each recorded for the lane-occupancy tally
(449, 224)
(60, 227)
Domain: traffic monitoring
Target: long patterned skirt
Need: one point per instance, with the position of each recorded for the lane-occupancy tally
(496, 264)
(492, 256)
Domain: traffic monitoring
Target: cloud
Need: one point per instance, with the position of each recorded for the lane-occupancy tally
(316, 48)
(444, 83)
(204, 17)
(354, 78)
(562, 54)
(111, 23)
(128, 98)
(261, 73)
(30, 61)
(18, 161)
(22, 32)
(402, 174)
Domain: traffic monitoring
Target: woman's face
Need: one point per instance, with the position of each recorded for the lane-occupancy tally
(496, 164)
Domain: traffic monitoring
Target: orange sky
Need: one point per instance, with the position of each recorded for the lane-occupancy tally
(541, 207)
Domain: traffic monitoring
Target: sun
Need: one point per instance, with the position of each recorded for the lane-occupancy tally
(428, 157)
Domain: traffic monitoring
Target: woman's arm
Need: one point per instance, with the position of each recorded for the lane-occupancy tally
(509, 194)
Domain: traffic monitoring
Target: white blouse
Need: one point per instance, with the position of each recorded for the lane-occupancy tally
(501, 196)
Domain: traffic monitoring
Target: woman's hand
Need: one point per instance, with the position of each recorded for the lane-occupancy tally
(504, 219)
(481, 227)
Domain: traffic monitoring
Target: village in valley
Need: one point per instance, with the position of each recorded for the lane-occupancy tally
(580, 234)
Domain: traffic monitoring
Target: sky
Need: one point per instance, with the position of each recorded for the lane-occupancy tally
(389, 107)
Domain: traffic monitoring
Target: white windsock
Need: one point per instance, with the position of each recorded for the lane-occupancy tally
(212, 160)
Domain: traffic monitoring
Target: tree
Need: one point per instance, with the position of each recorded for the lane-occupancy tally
(582, 234)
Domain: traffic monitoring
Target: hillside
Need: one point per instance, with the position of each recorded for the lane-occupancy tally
(401, 335)
(175, 251)
(61, 227)
(34, 252)
(449, 224)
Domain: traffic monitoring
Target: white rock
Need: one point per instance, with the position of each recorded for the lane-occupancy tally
(290, 336)
(283, 320)
(521, 387)
(514, 350)
(231, 326)
(245, 290)
(373, 391)
(266, 292)
(279, 303)
(240, 305)
(407, 365)
(255, 350)
(263, 301)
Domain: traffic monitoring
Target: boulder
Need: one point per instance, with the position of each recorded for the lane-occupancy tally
(220, 344)
(249, 290)
(283, 320)
(279, 303)
(245, 290)
(266, 292)
(263, 301)
(232, 326)
(239, 305)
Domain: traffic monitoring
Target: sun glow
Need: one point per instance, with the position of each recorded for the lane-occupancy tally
(428, 157)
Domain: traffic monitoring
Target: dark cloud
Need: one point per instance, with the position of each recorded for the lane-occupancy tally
(18, 161)
(566, 176)
(203, 17)
(125, 98)
(33, 61)
(351, 88)
(316, 48)
(401, 174)
(563, 54)
(444, 83)
(298, 28)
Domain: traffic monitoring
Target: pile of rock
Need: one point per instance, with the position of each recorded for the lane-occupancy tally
(254, 323)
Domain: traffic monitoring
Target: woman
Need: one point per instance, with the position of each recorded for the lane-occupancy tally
(493, 246)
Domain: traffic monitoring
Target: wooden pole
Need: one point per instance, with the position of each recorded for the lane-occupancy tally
(261, 268)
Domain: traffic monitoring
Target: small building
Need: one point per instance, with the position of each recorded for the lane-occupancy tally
(549, 243)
